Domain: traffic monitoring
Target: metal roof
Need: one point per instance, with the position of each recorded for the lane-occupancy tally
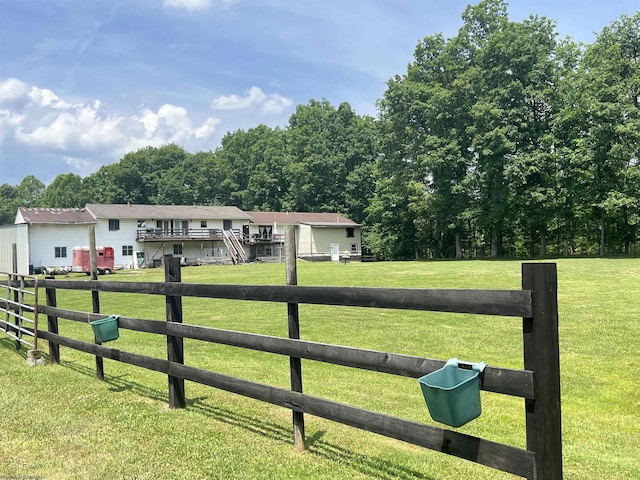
(54, 215)
(305, 218)
(168, 212)
(177, 212)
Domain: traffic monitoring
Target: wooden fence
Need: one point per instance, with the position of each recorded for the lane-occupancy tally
(538, 383)
(14, 305)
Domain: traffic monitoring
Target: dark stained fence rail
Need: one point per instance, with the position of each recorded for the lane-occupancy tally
(509, 303)
(538, 383)
(518, 383)
(503, 457)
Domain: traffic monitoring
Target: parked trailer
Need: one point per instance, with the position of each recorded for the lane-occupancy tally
(82, 260)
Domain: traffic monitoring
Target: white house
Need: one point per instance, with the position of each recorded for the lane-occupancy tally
(141, 235)
(319, 236)
(51, 235)
(194, 233)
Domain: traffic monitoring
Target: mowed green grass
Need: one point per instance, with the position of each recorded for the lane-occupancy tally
(59, 422)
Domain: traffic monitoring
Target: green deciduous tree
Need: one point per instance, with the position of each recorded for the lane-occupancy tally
(135, 178)
(255, 161)
(425, 145)
(330, 153)
(469, 126)
(610, 145)
(65, 191)
(30, 192)
(8, 204)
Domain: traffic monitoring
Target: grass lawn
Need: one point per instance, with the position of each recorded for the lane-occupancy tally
(59, 422)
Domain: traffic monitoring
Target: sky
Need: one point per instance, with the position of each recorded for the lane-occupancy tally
(83, 82)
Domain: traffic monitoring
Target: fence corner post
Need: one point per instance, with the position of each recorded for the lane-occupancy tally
(52, 323)
(294, 333)
(542, 356)
(95, 296)
(14, 269)
(175, 345)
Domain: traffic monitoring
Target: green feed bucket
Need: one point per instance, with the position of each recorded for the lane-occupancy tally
(106, 329)
(452, 393)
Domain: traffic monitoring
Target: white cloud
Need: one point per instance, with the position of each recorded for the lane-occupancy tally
(86, 133)
(77, 128)
(171, 124)
(77, 163)
(197, 5)
(13, 91)
(208, 128)
(254, 98)
(9, 121)
(46, 98)
(276, 104)
(190, 5)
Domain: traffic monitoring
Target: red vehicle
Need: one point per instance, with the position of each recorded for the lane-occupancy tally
(82, 260)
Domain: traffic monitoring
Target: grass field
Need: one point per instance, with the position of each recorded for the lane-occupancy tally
(59, 422)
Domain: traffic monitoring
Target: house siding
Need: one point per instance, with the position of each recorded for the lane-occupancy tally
(18, 235)
(43, 238)
(315, 242)
(125, 235)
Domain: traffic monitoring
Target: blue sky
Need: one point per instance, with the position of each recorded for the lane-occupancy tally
(82, 82)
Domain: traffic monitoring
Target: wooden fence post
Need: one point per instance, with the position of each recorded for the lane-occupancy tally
(542, 356)
(294, 333)
(175, 345)
(95, 298)
(52, 324)
(16, 297)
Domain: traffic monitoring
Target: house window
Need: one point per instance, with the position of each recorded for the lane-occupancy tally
(354, 248)
(127, 250)
(114, 224)
(142, 223)
(177, 249)
(61, 252)
(265, 232)
(203, 224)
(158, 223)
(227, 224)
(350, 232)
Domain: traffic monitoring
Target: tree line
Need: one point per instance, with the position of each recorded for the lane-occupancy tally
(504, 140)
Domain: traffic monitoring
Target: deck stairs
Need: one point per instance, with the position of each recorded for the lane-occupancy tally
(236, 251)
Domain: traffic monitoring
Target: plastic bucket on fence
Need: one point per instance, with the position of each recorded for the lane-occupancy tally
(452, 393)
(106, 329)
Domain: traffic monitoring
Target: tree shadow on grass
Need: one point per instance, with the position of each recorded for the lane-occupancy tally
(10, 344)
(372, 466)
(119, 383)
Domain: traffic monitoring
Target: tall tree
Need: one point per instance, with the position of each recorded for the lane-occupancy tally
(8, 204)
(30, 192)
(329, 154)
(136, 176)
(65, 191)
(513, 66)
(426, 112)
(611, 144)
(568, 128)
(469, 126)
(525, 92)
(255, 162)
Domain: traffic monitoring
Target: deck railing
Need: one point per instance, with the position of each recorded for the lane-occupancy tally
(213, 234)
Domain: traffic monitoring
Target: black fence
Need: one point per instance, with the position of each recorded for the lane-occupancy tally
(538, 383)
